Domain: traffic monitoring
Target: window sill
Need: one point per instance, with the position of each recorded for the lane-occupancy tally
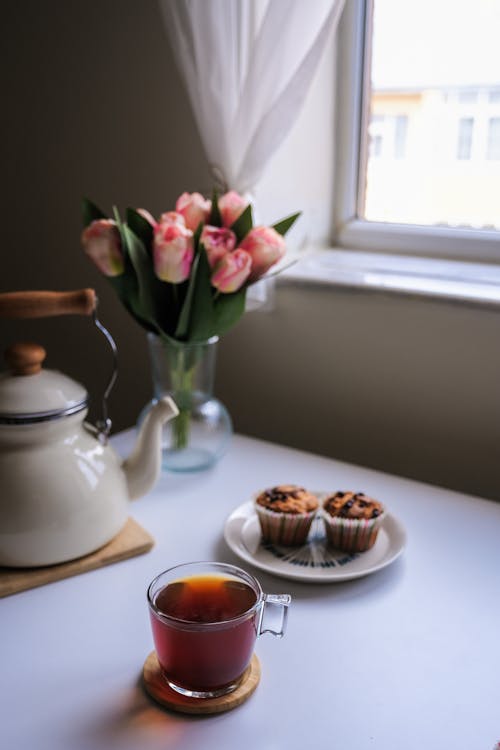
(452, 280)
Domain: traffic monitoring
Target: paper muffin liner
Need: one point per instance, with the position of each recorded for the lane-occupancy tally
(351, 534)
(288, 529)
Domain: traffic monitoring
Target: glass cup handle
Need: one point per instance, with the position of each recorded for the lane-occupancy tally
(276, 600)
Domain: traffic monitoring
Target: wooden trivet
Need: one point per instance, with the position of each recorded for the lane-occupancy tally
(157, 687)
(132, 540)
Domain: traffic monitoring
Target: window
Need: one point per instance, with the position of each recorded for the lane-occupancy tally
(400, 128)
(376, 136)
(467, 96)
(419, 145)
(493, 151)
(464, 145)
(387, 136)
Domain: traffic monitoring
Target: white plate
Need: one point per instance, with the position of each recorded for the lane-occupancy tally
(313, 561)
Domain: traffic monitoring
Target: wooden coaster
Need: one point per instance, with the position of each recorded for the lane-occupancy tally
(157, 687)
(132, 540)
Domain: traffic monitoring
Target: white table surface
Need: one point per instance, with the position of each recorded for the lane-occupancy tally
(405, 658)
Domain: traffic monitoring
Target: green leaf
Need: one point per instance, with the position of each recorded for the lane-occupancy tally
(119, 223)
(182, 327)
(201, 322)
(90, 212)
(228, 309)
(121, 229)
(196, 318)
(183, 321)
(284, 225)
(197, 235)
(126, 288)
(243, 223)
(157, 300)
(142, 267)
(141, 228)
(125, 285)
(196, 312)
(215, 219)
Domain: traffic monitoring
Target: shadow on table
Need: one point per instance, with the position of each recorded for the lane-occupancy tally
(374, 584)
(136, 720)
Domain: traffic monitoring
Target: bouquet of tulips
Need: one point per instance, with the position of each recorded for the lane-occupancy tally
(185, 275)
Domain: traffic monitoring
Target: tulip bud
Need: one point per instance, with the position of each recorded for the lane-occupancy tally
(101, 242)
(266, 247)
(232, 271)
(172, 251)
(194, 208)
(231, 206)
(217, 241)
(173, 217)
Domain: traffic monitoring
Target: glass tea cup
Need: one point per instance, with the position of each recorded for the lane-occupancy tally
(205, 619)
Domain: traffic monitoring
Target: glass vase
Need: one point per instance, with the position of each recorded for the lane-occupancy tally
(200, 434)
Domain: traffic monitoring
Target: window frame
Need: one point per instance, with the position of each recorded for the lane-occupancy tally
(352, 232)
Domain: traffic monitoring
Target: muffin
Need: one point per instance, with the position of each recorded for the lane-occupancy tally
(352, 520)
(285, 514)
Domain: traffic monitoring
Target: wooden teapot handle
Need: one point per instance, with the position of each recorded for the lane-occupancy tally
(47, 304)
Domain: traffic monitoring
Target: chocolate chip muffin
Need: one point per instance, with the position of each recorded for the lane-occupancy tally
(352, 520)
(352, 505)
(285, 514)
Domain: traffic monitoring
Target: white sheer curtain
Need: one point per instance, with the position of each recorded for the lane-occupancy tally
(247, 66)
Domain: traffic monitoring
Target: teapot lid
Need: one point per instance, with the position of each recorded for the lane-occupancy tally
(29, 394)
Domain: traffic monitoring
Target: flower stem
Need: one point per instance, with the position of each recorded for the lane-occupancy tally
(182, 380)
(180, 429)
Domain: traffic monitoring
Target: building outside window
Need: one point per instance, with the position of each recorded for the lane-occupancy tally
(493, 151)
(465, 131)
(429, 122)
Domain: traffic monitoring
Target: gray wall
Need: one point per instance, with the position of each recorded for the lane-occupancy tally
(408, 386)
(92, 107)
(95, 107)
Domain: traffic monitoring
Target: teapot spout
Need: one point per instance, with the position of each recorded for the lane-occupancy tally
(142, 467)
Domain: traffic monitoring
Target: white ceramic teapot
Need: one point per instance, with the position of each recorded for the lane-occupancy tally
(63, 490)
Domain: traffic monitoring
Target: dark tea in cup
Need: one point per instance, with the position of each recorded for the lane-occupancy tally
(205, 619)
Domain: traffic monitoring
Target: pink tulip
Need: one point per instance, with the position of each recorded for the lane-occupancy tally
(266, 247)
(217, 242)
(173, 217)
(232, 271)
(231, 206)
(172, 251)
(194, 208)
(101, 242)
(146, 215)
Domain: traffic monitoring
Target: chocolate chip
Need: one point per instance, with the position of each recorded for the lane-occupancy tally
(346, 507)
